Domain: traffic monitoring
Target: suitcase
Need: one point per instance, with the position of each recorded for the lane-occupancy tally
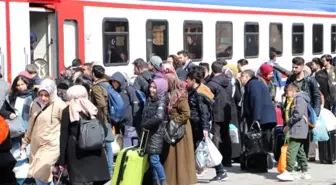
(131, 164)
(327, 149)
(256, 162)
(278, 141)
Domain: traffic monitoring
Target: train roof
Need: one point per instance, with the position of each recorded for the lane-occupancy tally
(302, 5)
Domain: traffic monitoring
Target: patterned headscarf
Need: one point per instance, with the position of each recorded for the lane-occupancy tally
(176, 90)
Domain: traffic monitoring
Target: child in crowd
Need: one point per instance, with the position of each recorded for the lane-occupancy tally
(296, 131)
(155, 116)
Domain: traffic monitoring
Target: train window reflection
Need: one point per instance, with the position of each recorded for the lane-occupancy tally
(251, 40)
(157, 38)
(193, 39)
(297, 39)
(224, 36)
(317, 38)
(333, 38)
(275, 38)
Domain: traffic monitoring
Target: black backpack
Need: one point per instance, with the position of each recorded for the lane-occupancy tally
(91, 134)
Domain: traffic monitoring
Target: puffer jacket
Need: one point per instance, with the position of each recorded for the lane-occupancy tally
(200, 102)
(223, 100)
(155, 116)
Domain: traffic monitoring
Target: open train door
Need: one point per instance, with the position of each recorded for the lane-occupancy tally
(19, 37)
(3, 43)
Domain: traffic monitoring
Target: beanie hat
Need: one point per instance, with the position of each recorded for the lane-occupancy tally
(266, 69)
(156, 62)
(26, 74)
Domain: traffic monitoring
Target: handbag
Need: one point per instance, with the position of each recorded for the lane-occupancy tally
(16, 127)
(253, 140)
(174, 132)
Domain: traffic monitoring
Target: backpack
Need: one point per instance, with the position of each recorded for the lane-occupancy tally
(332, 92)
(91, 134)
(115, 104)
(141, 97)
(4, 129)
(312, 117)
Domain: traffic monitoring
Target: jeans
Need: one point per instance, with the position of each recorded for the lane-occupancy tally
(109, 153)
(219, 169)
(157, 168)
(295, 152)
(38, 182)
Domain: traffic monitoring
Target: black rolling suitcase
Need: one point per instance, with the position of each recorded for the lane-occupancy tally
(278, 141)
(327, 149)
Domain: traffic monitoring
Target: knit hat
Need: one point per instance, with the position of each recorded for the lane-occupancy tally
(156, 62)
(266, 69)
(26, 74)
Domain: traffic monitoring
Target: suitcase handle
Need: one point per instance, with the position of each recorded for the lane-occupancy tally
(143, 142)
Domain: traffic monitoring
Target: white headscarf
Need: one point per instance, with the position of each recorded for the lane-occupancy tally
(48, 85)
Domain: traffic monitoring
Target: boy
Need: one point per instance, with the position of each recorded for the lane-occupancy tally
(297, 131)
(200, 100)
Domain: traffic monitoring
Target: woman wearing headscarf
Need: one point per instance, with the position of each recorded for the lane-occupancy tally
(180, 162)
(153, 119)
(83, 166)
(266, 76)
(43, 132)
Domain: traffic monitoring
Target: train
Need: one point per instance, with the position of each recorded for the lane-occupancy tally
(114, 33)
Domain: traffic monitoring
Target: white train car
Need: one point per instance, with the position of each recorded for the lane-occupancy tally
(114, 33)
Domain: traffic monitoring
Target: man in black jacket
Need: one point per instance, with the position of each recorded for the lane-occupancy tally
(221, 112)
(144, 75)
(307, 84)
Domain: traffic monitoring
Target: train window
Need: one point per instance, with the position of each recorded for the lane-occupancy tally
(224, 35)
(251, 40)
(115, 42)
(297, 39)
(70, 30)
(276, 41)
(333, 38)
(317, 38)
(157, 38)
(193, 39)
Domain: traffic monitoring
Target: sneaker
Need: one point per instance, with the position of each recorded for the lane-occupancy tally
(304, 176)
(286, 176)
(220, 177)
(200, 173)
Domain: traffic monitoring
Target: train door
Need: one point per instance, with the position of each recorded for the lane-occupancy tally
(3, 43)
(19, 36)
(43, 29)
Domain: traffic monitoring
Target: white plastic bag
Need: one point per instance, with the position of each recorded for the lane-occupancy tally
(233, 133)
(207, 154)
(329, 118)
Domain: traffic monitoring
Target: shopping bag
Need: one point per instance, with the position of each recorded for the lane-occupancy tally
(16, 127)
(329, 118)
(207, 154)
(320, 132)
(233, 133)
(282, 163)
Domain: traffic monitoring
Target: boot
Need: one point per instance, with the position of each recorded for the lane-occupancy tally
(156, 182)
(164, 182)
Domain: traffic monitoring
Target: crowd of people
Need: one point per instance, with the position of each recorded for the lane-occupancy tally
(204, 99)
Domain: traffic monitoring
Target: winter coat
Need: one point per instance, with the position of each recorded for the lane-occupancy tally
(7, 163)
(257, 104)
(83, 166)
(181, 156)
(43, 136)
(131, 102)
(181, 73)
(142, 81)
(322, 78)
(310, 86)
(99, 98)
(6, 110)
(200, 102)
(222, 100)
(298, 128)
(154, 119)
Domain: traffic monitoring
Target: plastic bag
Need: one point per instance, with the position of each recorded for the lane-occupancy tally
(233, 133)
(207, 154)
(320, 132)
(329, 118)
(282, 163)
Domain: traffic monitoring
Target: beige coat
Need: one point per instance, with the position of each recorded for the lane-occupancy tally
(43, 136)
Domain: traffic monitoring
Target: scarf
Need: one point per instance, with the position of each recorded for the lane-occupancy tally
(176, 90)
(79, 102)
